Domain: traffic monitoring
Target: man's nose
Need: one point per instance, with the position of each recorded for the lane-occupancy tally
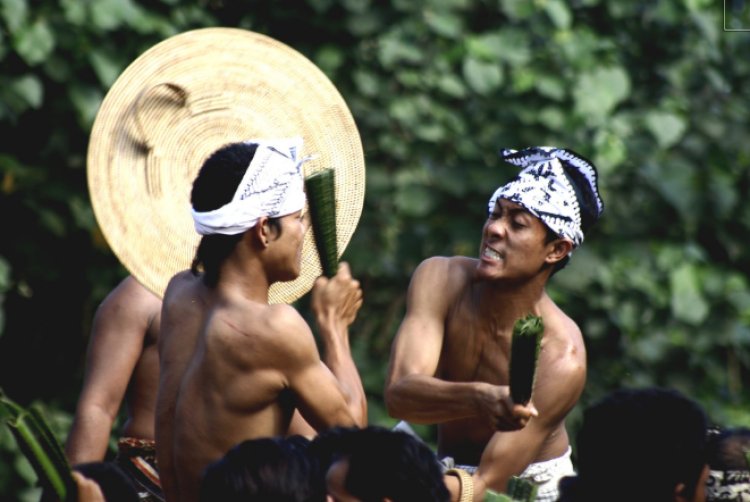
(496, 228)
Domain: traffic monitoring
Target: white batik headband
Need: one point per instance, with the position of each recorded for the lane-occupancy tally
(272, 186)
(728, 485)
(544, 189)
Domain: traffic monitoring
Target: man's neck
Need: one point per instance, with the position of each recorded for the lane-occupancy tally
(510, 299)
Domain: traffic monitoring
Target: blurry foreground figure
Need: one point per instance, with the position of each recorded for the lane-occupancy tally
(645, 445)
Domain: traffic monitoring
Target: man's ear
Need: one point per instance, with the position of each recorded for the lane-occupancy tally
(262, 231)
(679, 493)
(560, 248)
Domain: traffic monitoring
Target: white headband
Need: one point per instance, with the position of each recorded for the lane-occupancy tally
(733, 485)
(272, 186)
(544, 189)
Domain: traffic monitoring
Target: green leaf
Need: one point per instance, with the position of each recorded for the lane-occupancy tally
(558, 13)
(415, 200)
(598, 92)
(550, 86)
(666, 127)
(444, 23)
(329, 58)
(108, 15)
(35, 43)
(483, 78)
(29, 89)
(393, 50)
(106, 68)
(509, 45)
(86, 101)
(688, 303)
(451, 85)
(367, 83)
(75, 11)
(14, 13)
(518, 9)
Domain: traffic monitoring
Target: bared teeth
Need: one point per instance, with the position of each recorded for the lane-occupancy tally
(492, 254)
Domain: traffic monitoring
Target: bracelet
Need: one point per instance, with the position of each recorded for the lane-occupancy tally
(465, 482)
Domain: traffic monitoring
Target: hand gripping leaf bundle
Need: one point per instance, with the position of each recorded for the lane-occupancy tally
(524, 351)
(321, 198)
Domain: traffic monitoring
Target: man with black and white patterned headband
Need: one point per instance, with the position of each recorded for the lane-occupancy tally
(450, 357)
(232, 366)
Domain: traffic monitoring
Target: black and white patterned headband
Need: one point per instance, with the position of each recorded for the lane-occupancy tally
(545, 190)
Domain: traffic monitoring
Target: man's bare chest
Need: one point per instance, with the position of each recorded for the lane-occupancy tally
(474, 350)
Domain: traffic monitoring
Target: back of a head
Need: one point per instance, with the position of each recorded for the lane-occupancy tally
(215, 185)
(264, 470)
(639, 444)
(585, 182)
(115, 484)
(729, 477)
(384, 463)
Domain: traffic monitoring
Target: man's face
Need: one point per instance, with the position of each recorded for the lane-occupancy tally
(289, 241)
(513, 243)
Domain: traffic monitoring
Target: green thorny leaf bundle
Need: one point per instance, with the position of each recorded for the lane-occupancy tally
(524, 350)
(40, 447)
(519, 490)
(321, 198)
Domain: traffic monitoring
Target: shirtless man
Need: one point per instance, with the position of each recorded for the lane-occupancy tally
(122, 365)
(449, 360)
(233, 366)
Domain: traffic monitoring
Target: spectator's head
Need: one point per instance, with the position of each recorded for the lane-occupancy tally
(729, 475)
(640, 444)
(264, 470)
(376, 464)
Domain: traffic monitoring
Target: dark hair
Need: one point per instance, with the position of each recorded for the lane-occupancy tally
(214, 187)
(383, 463)
(265, 470)
(638, 444)
(727, 449)
(115, 484)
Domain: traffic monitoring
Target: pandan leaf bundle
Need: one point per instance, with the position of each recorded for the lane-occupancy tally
(524, 351)
(518, 490)
(321, 198)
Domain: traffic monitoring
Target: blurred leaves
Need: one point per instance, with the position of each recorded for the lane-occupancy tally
(653, 92)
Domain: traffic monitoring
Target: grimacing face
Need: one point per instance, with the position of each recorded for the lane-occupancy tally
(513, 243)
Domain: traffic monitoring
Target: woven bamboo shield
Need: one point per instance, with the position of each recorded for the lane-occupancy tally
(180, 101)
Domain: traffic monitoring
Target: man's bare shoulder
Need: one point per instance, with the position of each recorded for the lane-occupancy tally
(561, 374)
(449, 269)
(279, 327)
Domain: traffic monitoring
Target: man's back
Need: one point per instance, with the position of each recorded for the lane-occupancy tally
(121, 367)
(220, 377)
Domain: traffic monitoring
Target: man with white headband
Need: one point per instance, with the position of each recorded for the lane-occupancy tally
(450, 358)
(233, 366)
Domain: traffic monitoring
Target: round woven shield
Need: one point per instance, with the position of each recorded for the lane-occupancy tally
(183, 99)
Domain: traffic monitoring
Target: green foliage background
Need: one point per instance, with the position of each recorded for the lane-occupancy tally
(652, 92)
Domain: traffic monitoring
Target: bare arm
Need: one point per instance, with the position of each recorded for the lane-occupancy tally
(413, 392)
(560, 382)
(115, 345)
(335, 303)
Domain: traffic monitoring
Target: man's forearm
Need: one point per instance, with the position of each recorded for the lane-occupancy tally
(337, 356)
(89, 437)
(428, 400)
